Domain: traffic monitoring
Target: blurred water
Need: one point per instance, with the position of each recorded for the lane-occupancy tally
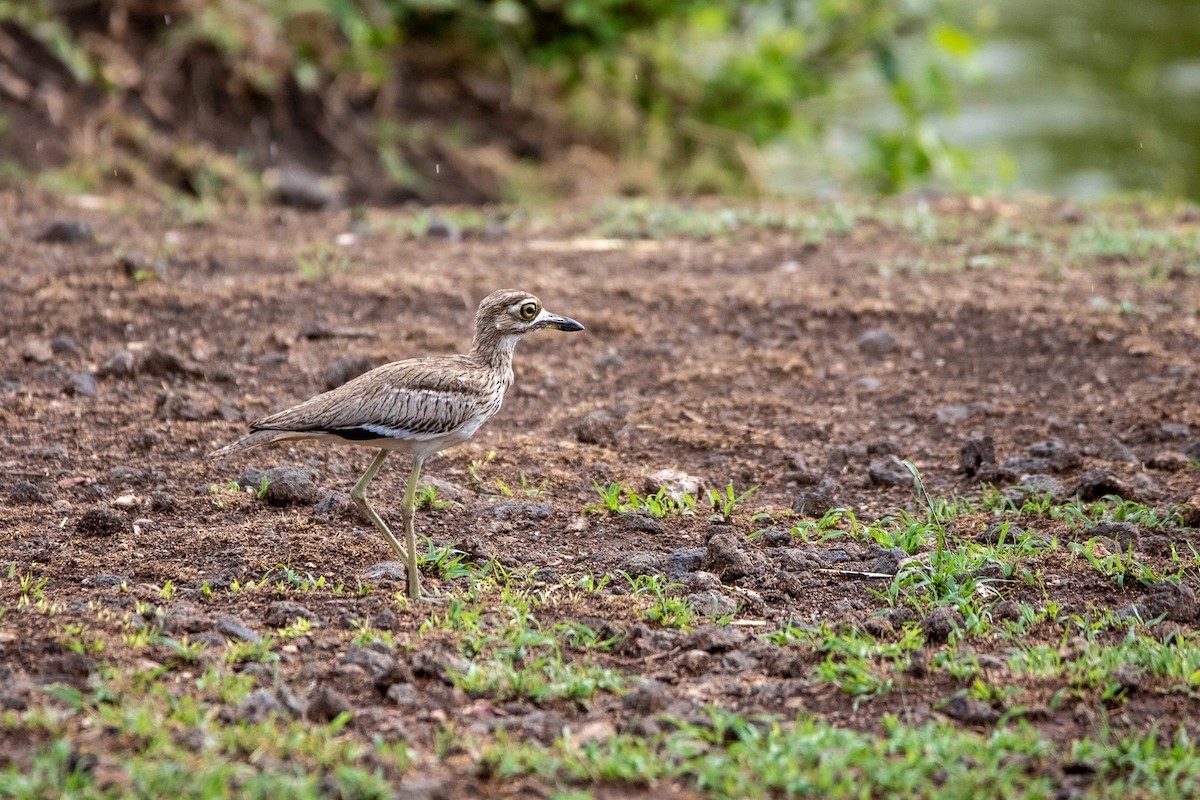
(1087, 97)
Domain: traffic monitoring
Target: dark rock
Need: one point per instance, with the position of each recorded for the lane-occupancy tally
(346, 368)
(1169, 461)
(789, 583)
(326, 704)
(404, 694)
(884, 560)
(1176, 601)
(878, 342)
(377, 665)
(1007, 531)
(234, 628)
(940, 623)
(978, 452)
(1123, 533)
(712, 604)
(641, 563)
(701, 581)
(81, 384)
(799, 559)
(118, 365)
(163, 364)
(970, 711)
(726, 559)
(332, 505)
(102, 521)
(817, 502)
(739, 662)
(643, 522)
(516, 509)
(286, 486)
(1039, 485)
(889, 471)
(777, 536)
(1174, 430)
(884, 447)
(104, 580)
(684, 560)
(285, 612)
(650, 697)
(713, 639)
(598, 427)
(64, 345)
(1060, 456)
(1128, 677)
(1096, 484)
(66, 231)
(25, 493)
(878, 627)
(437, 660)
(386, 571)
(258, 706)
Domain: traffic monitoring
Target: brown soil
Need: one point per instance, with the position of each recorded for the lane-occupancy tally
(736, 359)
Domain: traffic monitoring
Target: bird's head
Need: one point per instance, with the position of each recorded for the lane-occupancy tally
(513, 313)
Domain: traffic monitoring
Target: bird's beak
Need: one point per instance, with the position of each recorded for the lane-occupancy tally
(555, 321)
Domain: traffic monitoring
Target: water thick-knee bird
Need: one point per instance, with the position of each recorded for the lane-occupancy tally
(418, 406)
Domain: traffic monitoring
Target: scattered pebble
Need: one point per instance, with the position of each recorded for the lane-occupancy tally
(66, 231)
(878, 342)
(1175, 601)
(970, 711)
(676, 482)
(286, 486)
(712, 604)
(284, 612)
(977, 453)
(518, 509)
(598, 427)
(711, 638)
(325, 705)
(641, 563)
(725, 557)
(643, 522)
(118, 365)
(818, 501)
(683, 561)
(949, 415)
(386, 571)
(938, 624)
(64, 345)
(37, 351)
(889, 471)
(234, 628)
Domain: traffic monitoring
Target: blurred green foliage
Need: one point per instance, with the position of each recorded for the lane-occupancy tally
(688, 91)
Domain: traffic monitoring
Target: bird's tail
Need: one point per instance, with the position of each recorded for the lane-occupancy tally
(256, 439)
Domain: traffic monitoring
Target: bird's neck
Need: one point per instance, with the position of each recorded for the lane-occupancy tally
(494, 350)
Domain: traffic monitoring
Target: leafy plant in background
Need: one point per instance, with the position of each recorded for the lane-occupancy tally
(681, 94)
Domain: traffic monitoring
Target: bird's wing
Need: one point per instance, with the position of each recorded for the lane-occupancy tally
(416, 399)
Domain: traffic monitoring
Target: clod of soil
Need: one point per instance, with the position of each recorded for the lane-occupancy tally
(102, 521)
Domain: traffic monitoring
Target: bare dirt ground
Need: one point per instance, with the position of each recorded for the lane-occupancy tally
(757, 357)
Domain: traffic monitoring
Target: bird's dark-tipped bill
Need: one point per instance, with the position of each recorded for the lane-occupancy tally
(562, 323)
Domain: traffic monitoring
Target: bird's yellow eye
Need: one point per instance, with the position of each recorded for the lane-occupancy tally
(529, 311)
